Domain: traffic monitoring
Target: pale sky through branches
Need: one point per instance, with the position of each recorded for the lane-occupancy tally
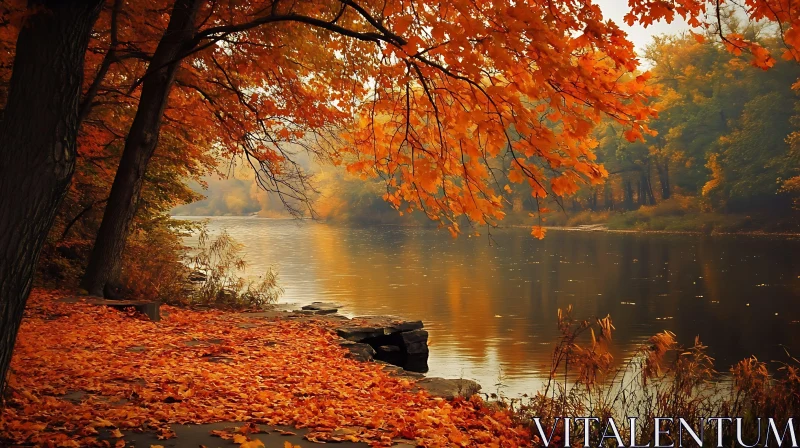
(639, 35)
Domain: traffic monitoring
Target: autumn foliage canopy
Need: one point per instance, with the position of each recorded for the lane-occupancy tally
(454, 104)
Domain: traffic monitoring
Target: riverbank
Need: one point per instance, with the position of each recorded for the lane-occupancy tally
(604, 228)
(88, 375)
(680, 215)
(612, 222)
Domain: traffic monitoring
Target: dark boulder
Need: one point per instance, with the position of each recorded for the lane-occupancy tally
(402, 343)
(449, 389)
(415, 342)
(358, 351)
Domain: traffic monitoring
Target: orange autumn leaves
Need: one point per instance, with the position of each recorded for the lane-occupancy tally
(705, 14)
(448, 102)
(198, 367)
(470, 97)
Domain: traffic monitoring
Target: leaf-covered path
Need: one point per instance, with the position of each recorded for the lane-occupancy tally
(81, 371)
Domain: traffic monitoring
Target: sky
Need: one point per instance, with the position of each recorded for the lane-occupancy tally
(640, 36)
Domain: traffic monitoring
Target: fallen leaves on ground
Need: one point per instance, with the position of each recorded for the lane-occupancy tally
(212, 366)
(241, 437)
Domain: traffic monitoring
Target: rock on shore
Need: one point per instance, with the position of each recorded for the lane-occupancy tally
(322, 308)
(449, 388)
(402, 343)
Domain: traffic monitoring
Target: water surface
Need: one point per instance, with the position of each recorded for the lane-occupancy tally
(491, 308)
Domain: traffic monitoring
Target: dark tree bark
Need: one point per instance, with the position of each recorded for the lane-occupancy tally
(644, 195)
(102, 71)
(663, 179)
(627, 190)
(106, 260)
(649, 196)
(608, 197)
(593, 200)
(77, 217)
(37, 146)
(639, 193)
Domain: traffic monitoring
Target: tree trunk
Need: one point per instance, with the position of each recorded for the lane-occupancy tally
(105, 262)
(663, 179)
(627, 190)
(80, 214)
(644, 189)
(649, 196)
(608, 197)
(37, 146)
(639, 192)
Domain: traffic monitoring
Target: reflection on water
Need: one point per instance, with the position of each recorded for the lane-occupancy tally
(491, 309)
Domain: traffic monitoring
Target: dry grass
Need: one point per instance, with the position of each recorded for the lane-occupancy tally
(661, 379)
(219, 264)
(159, 266)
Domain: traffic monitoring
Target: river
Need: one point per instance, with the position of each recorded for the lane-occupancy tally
(490, 306)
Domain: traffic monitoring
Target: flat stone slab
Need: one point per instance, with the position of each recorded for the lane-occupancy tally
(316, 312)
(449, 389)
(394, 370)
(322, 307)
(361, 328)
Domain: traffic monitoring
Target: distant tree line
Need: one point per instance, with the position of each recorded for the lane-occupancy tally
(727, 133)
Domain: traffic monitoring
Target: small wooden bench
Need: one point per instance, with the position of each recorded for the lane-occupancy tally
(149, 309)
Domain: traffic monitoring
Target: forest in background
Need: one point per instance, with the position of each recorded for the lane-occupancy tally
(727, 152)
(726, 156)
